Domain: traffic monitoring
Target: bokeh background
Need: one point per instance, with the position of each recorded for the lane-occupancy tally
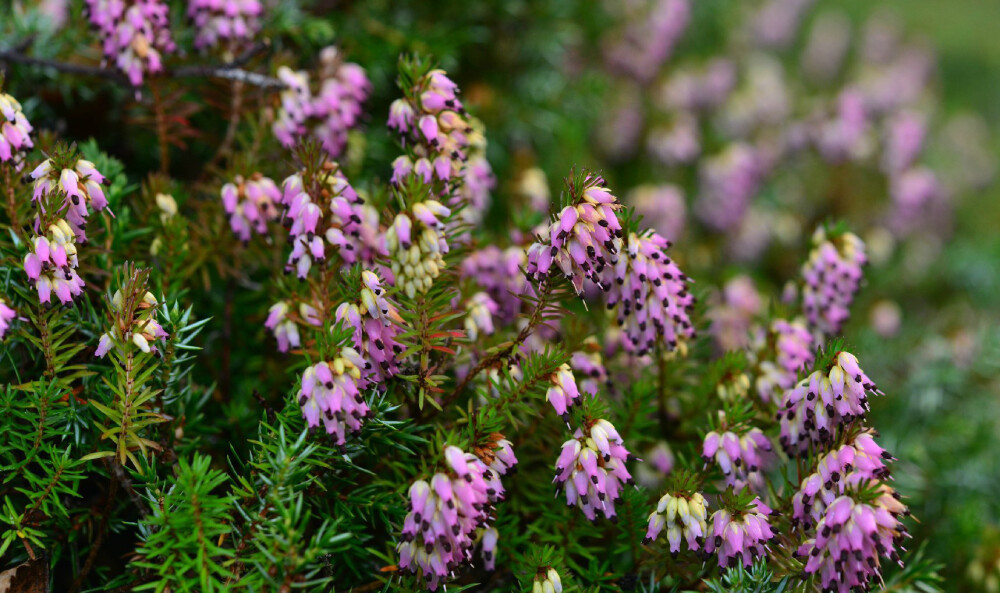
(539, 76)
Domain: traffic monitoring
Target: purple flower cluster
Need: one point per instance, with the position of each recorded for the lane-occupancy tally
(831, 277)
(777, 22)
(677, 142)
(498, 272)
(231, 22)
(852, 537)
(6, 316)
(589, 364)
(135, 34)
(445, 514)
(843, 137)
(417, 245)
(250, 204)
(792, 352)
(143, 330)
(52, 262)
(649, 37)
(330, 392)
(375, 322)
(15, 131)
(918, 197)
(433, 124)
(591, 470)
(662, 207)
(479, 312)
(284, 324)
(650, 295)
(740, 535)
(329, 112)
(581, 241)
(683, 515)
(739, 456)
(78, 186)
(563, 391)
(733, 313)
(320, 210)
(813, 409)
(848, 466)
(728, 182)
(702, 89)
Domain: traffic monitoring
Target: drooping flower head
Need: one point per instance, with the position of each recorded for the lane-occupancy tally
(591, 470)
(432, 124)
(855, 533)
(284, 319)
(72, 186)
(417, 243)
(15, 131)
(858, 461)
(232, 24)
(51, 263)
(738, 449)
(682, 512)
(563, 391)
(819, 404)
(446, 514)
(831, 277)
(581, 241)
(322, 209)
(132, 315)
(330, 394)
(375, 324)
(649, 294)
(135, 33)
(250, 204)
(328, 111)
(739, 531)
(787, 349)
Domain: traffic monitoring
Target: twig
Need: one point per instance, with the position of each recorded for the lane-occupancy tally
(229, 71)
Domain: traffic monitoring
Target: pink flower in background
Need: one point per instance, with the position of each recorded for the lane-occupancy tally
(734, 312)
(728, 181)
(648, 38)
(662, 207)
(136, 34)
(251, 203)
(232, 23)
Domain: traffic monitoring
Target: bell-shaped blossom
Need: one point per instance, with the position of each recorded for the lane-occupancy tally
(135, 33)
(439, 532)
(15, 131)
(376, 324)
(479, 312)
(330, 395)
(740, 537)
(650, 295)
(232, 24)
(850, 465)
(7, 315)
(852, 537)
(792, 352)
(683, 516)
(831, 277)
(581, 242)
(284, 323)
(335, 216)
(591, 470)
(326, 111)
(142, 330)
(417, 244)
(80, 189)
(51, 264)
(819, 404)
(563, 391)
(250, 204)
(547, 580)
(739, 456)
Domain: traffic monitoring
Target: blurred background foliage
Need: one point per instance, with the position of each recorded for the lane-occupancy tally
(532, 72)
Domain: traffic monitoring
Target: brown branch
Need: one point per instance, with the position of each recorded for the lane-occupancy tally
(228, 70)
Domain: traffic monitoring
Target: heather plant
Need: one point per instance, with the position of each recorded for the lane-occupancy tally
(321, 334)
